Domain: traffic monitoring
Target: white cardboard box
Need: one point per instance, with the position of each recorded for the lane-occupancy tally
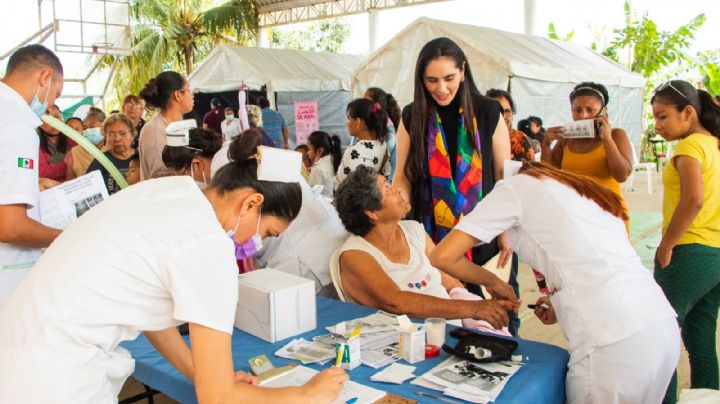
(274, 305)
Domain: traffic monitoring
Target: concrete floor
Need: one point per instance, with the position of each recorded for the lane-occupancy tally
(645, 227)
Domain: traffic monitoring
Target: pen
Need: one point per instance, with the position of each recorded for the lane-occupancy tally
(434, 397)
(542, 306)
(351, 401)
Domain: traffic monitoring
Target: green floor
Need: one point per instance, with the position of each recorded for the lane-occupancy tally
(645, 230)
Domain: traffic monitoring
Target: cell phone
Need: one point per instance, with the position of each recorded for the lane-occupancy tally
(534, 306)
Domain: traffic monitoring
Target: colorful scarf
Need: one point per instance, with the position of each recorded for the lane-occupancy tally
(453, 196)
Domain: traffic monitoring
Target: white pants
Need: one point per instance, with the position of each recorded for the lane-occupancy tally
(634, 370)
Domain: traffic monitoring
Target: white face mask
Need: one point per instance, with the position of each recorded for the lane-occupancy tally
(229, 117)
(201, 184)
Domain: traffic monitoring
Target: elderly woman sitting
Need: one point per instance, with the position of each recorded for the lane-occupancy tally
(385, 264)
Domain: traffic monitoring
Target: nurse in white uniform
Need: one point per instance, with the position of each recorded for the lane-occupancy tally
(149, 258)
(623, 338)
(34, 79)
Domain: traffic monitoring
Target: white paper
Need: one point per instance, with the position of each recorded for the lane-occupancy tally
(396, 373)
(379, 357)
(61, 205)
(511, 167)
(483, 380)
(405, 324)
(301, 375)
(582, 129)
(279, 165)
(376, 322)
(306, 351)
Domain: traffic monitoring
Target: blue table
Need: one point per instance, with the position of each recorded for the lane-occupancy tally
(541, 379)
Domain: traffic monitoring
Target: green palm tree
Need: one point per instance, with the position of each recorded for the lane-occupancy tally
(176, 34)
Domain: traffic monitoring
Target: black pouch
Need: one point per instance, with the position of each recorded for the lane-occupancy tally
(480, 348)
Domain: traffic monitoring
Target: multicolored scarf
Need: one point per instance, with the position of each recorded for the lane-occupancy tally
(453, 196)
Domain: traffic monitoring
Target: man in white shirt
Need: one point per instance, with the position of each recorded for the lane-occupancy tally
(33, 81)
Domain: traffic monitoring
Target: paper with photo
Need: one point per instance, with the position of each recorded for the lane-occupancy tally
(306, 352)
(61, 205)
(480, 379)
(584, 128)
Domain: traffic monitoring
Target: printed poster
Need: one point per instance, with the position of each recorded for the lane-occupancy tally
(307, 119)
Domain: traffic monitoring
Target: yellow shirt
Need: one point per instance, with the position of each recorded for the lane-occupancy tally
(705, 229)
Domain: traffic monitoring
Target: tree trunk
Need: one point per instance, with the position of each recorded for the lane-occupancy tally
(187, 51)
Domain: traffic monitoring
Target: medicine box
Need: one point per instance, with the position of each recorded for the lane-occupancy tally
(274, 305)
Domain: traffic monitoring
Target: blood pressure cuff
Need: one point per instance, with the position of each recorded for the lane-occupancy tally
(480, 348)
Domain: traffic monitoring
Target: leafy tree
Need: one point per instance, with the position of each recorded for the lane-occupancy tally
(649, 50)
(323, 36)
(708, 67)
(553, 34)
(176, 34)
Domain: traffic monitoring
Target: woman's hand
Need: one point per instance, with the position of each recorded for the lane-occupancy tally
(325, 386)
(605, 130)
(503, 243)
(554, 133)
(663, 255)
(493, 311)
(245, 378)
(547, 316)
(500, 290)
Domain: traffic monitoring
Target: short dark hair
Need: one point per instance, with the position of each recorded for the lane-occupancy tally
(34, 57)
(588, 88)
(372, 114)
(263, 102)
(202, 142)
(536, 120)
(497, 93)
(358, 194)
(131, 99)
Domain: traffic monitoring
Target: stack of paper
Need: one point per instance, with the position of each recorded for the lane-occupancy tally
(469, 381)
(395, 373)
(306, 352)
(300, 375)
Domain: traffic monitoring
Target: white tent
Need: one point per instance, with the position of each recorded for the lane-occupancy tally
(539, 72)
(288, 76)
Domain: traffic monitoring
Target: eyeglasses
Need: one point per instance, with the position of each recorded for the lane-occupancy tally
(122, 133)
(665, 85)
(507, 112)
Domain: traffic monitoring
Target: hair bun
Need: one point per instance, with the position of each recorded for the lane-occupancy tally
(245, 146)
(150, 93)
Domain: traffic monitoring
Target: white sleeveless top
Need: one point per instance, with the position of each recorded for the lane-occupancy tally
(417, 275)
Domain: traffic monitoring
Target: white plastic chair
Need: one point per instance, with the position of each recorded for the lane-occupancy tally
(649, 167)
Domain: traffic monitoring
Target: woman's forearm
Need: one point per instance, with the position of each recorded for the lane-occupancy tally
(172, 347)
(619, 166)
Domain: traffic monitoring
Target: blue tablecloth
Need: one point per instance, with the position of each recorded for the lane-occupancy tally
(541, 379)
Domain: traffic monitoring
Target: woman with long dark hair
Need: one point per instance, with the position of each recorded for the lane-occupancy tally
(170, 93)
(451, 147)
(54, 148)
(687, 262)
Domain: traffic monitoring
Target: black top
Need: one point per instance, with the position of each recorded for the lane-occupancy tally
(487, 112)
(122, 166)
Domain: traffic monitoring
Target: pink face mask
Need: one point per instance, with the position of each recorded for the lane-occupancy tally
(250, 247)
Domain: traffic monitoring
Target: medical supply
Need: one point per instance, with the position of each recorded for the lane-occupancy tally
(435, 331)
(412, 340)
(275, 305)
(348, 351)
(431, 351)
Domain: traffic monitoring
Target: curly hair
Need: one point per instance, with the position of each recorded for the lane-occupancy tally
(358, 194)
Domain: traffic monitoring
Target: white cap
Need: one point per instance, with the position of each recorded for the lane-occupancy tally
(278, 165)
(178, 133)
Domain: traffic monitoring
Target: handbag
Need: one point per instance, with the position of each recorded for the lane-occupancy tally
(480, 348)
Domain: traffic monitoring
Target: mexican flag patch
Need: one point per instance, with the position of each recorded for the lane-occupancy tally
(25, 163)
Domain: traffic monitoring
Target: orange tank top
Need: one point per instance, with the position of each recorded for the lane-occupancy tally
(593, 164)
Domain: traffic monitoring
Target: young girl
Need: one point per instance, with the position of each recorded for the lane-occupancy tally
(324, 152)
(367, 121)
(687, 262)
